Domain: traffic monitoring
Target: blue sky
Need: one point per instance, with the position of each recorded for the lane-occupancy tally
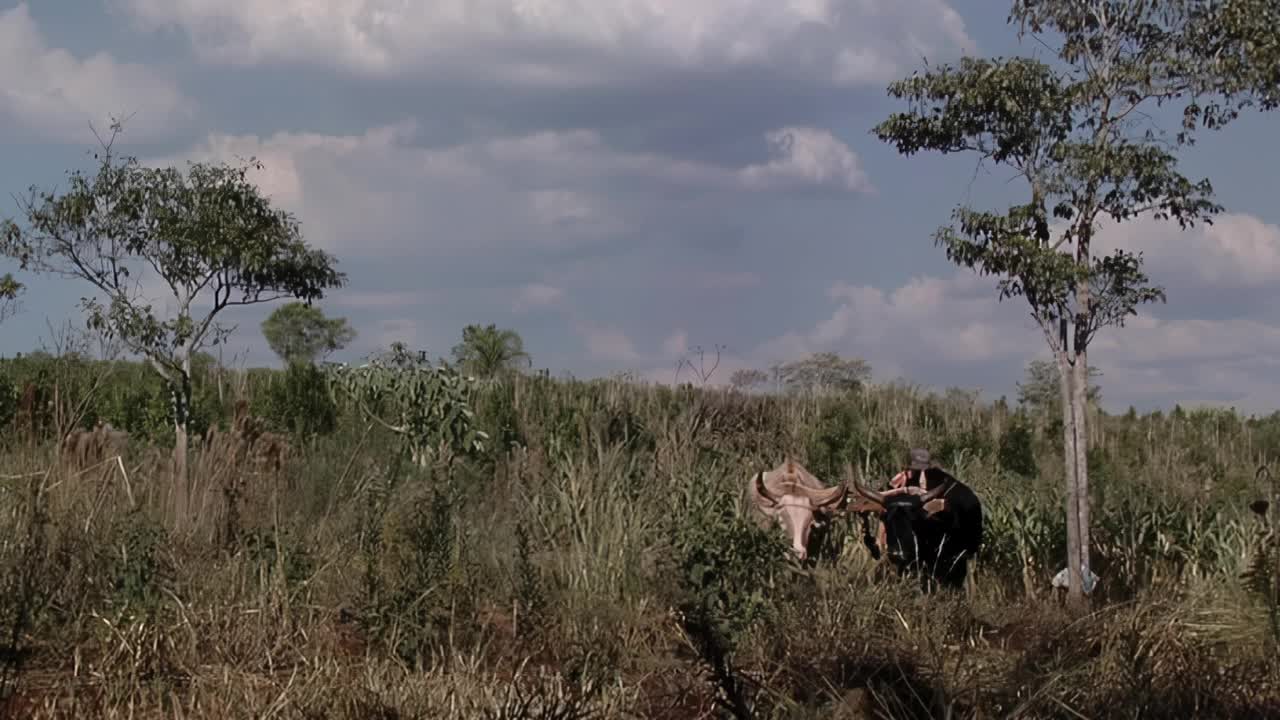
(623, 180)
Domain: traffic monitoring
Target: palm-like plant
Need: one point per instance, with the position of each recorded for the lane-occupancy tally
(488, 352)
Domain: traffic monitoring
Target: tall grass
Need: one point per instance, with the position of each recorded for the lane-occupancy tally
(593, 562)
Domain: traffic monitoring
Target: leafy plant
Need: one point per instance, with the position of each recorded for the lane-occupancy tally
(529, 592)
(301, 402)
(268, 550)
(10, 291)
(726, 574)
(298, 332)
(824, 372)
(1016, 453)
(1262, 576)
(138, 567)
(488, 352)
(429, 407)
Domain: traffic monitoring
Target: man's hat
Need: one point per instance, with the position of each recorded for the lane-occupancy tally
(920, 459)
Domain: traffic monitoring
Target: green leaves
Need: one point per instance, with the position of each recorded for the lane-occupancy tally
(208, 236)
(823, 372)
(430, 407)
(10, 289)
(1076, 133)
(1006, 110)
(298, 332)
(486, 351)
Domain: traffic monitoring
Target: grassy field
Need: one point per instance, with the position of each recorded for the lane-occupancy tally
(592, 562)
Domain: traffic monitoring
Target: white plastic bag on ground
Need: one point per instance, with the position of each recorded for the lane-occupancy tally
(1090, 580)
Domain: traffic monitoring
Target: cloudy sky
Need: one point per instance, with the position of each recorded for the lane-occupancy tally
(622, 181)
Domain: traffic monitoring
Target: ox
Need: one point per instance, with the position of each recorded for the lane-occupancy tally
(790, 496)
(936, 527)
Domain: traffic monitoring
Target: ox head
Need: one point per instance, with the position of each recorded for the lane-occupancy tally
(794, 499)
(903, 513)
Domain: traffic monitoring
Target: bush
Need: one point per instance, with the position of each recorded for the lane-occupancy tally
(299, 402)
(1016, 453)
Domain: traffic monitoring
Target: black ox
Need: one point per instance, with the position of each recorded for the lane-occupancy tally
(921, 534)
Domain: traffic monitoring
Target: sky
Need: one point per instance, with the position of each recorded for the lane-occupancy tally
(623, 182)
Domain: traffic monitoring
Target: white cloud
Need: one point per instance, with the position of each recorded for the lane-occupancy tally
(956, 319)
(570, 43)
(808, 156)
(676, 344)
(952, 330)
(378, 192)
(932, 328)
(1148, 340)
(912, 330)
(536, 295)
(55, 95)
(1236, 250)
(561, 207)
(608, 343)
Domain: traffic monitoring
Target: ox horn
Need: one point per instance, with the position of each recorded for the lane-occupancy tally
(824, 497)
(869, 494)
(762, 491)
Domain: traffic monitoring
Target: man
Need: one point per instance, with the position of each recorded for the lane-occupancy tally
(920, 475)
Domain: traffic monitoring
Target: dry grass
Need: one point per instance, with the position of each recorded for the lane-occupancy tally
(547, 581)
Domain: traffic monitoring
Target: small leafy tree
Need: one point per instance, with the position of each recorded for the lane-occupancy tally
(487, 352)
(1040, 391)
(10, 290)
(428, 407)
(1078, 133)
(747, 378)
(823, 372)
(298, 332)
(210, 238)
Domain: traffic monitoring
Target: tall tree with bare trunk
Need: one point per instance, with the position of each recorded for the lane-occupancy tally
(1079, 132)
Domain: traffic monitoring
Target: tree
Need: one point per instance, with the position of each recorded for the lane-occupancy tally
(10, 290)
(747, 378)
(299, 333)
(209, 236)
(823, 372)
(1080, 136)
(1041, 390)
(487, 352)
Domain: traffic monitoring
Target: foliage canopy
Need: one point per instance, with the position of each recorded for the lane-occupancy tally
(208, 237)
(300, 333)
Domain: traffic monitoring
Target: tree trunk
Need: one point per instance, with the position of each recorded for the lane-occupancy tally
(1080, 390)
(181, 392)
(181, 484)
(1066, 379)
(1079, 405)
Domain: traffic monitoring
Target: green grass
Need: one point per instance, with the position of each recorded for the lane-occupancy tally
(592, 562)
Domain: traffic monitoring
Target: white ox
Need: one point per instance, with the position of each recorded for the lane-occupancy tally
(790, 496)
